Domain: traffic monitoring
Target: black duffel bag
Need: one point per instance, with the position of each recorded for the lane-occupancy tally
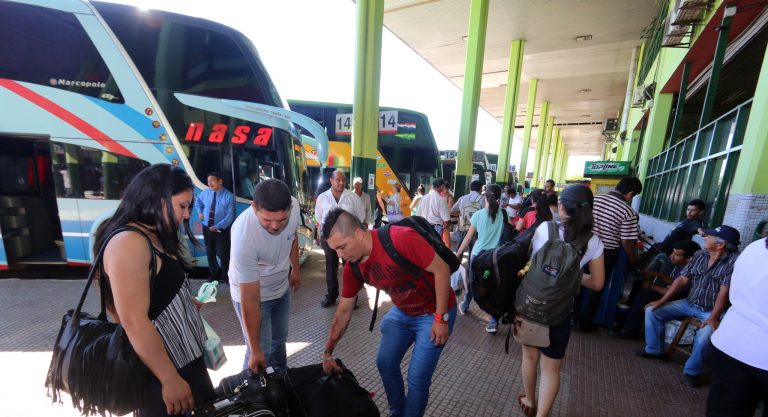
(93, 360)
(267, 387)
(337, 395)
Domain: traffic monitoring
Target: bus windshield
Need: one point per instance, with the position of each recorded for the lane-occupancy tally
(178, 54)
(405, 142)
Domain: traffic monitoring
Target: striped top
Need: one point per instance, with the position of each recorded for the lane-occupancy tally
(706, 280)
(614, 220)
(174, 314)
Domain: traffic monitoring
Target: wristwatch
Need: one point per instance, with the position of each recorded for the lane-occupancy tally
(443, 318)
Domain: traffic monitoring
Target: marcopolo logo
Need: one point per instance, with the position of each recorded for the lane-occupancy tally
(62, 82)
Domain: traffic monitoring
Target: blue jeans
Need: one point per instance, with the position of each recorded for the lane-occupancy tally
(438, 228)
(398, 332)
(274, 330)
(654, 332)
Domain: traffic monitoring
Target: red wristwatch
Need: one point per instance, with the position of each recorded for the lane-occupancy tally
(442, 318)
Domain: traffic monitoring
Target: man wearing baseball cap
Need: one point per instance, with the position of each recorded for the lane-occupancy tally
(709, 273)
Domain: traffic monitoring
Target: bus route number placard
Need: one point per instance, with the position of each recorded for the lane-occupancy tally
(387, 123)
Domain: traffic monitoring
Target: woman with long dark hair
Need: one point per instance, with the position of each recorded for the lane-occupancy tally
(540, 212)
(158, 313)
(488, 223)
(575, 209)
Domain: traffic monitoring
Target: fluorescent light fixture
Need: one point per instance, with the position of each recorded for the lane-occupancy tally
(583, 38)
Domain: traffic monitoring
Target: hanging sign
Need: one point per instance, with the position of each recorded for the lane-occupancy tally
(387, 123)
(615, 168)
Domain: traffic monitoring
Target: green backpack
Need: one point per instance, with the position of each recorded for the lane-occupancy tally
(546, 294)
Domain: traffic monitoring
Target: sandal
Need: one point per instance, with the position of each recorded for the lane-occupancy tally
(528, 410)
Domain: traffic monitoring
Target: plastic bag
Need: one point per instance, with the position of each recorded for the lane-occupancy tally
(207, 292)
(213, 352)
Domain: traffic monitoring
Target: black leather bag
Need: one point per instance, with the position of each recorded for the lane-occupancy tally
(321, 395)
(267, 387)
(93, 360)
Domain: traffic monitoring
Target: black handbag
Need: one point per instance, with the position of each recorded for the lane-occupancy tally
(93, 360)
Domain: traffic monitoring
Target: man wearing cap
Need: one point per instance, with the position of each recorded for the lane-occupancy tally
(710, 275)
(357, 185)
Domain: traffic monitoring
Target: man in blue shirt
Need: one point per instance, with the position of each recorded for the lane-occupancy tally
(216, 210)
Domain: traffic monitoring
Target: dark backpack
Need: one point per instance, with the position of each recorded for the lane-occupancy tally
(494, 275)
(509, 231)
(427, 232)
(546, 293)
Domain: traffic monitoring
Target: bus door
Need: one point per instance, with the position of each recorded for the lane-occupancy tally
(29, 215)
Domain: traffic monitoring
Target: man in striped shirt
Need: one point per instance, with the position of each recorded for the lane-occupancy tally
(615, 223)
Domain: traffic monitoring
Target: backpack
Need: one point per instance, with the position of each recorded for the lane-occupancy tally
(509, 231)
(494, 275)
(427, 232)
(547, 290)
(468, 209)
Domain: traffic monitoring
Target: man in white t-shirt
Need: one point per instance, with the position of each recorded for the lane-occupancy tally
(514, 202)
(337, 196)
(739, 357)
(434, 207)
(263, 266)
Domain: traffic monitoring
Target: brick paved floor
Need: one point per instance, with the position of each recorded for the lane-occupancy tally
(600, 377)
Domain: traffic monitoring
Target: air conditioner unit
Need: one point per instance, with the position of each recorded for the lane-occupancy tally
(637, 96)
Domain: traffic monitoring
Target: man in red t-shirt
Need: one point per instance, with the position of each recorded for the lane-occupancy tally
(424, 305)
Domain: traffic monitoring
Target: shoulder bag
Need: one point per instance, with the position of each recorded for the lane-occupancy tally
(93, 360)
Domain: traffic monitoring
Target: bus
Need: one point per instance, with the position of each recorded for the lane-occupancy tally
(407, 152)
(94, 92)
(479, 163)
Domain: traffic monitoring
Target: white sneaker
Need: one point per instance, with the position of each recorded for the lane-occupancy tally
(462, 311)
(492, 326)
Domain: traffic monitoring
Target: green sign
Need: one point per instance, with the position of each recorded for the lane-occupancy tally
(612, 168)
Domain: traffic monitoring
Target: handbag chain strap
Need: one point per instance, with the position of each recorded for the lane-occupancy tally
(97, 263)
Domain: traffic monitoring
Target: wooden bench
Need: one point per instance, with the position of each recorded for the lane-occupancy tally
(674, 346)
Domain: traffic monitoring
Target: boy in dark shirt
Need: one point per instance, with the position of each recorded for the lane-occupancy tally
(686, 228)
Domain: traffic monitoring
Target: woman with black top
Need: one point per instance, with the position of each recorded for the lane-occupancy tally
(159, 316)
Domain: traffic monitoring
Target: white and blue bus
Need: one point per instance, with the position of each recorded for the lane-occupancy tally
(91, 93)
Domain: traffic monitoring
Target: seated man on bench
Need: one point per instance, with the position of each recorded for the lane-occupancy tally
(710, 275)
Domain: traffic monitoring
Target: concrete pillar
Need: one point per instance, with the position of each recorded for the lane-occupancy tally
(532, 87)
(365, 108)
(510, 109)
(748, 199)
(540, 138)
(473, 74)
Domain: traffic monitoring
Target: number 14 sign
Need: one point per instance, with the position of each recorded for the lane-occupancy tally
(387, 123)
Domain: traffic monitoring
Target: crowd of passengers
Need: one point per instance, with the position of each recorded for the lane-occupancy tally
(256, 252)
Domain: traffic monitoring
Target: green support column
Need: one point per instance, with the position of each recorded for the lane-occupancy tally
(653, 140)
(553, 144)
(558, 155)
(510, 108)
(110, 176)
(560, 166)
(548, 139)
(752, 169)
(527, 130)
(717, 65)
(365, 108)
(473, 75)
(540, 138)
(748, 198)
(564, 166)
